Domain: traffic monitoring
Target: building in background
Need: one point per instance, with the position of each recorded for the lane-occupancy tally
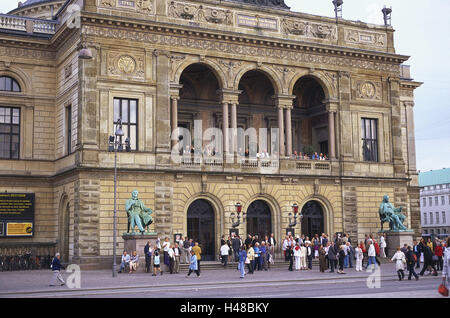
(328, 84)
(435, 202)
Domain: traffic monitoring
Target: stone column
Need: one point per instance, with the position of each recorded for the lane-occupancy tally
(281, 131)
(409, 112)
(331, 135)
(225, 127)
(174, 116)
(233, 128)
(288, 131)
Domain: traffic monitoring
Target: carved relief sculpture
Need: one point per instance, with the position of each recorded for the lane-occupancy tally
(368, 90)
(110, 3)
(145, 5)
(200, 13)
(125, 65)
(309, 30)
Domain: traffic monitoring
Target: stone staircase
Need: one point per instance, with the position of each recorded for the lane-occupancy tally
(279, 263)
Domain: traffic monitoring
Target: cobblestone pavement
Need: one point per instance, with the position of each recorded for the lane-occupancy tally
(219, 283)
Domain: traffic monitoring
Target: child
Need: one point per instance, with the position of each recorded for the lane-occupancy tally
(359, 255)
(156, 263)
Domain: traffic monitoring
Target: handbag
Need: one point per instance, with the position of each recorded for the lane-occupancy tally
(247, 261)
(443, 290)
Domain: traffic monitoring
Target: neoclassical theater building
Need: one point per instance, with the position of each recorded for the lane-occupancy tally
(70, 69)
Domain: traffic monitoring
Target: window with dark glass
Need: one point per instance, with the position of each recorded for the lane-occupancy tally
(9, 132)
(9, 84)
(369, 134)
(127, 110)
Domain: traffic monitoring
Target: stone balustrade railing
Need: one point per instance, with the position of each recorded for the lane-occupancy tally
(307, 167)
(28, 25)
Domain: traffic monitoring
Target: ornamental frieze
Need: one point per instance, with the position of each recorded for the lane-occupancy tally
(309, 29)
(199, 13)
(125, 65)
(27, 53)
(239, 49)
(365, 38)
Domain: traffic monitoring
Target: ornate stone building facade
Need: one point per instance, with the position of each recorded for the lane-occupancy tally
(329, 85)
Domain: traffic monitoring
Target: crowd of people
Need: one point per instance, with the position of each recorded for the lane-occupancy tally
(334, 254)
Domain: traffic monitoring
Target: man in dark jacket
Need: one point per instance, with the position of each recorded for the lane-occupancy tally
(332, 256)
(236, 244)
(248, 241)
(56, 268)
(148, 256)
(410, 263)
(428, 260)
(290, 256)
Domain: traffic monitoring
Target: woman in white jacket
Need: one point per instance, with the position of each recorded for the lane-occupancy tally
(400, 259)
(359, 258)
(446, 267)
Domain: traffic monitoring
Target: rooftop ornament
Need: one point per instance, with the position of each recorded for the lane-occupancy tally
(387, 15)
(338, 8)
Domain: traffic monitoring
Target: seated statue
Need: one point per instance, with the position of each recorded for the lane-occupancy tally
(138, 214)
(388, 213)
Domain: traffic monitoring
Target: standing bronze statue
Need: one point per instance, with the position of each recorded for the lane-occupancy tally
(393, 216)
(138, 214)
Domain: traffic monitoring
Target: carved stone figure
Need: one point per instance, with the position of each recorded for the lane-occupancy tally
(138, 214)
(393, 216)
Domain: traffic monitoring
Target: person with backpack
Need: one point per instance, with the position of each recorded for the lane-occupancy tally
(56, 269)
(411, 260)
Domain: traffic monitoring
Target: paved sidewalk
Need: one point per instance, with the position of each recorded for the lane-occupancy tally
(36, 281)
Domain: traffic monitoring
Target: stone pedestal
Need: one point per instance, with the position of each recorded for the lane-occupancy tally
(397, 239)
(137, 243)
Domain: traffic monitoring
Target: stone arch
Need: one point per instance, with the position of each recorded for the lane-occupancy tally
(20, 76)
(327, 209)
(319, 77)
(219, 212)
(271, 75)
(64, 227)
(212, 66)
(275, 210)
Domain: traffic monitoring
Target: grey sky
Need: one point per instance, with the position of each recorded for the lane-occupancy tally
(422, 32)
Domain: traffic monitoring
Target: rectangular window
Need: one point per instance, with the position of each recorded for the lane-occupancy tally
(431, 217)
(369, 134)
(424, 201)
(127, 110)
(369, 128)
(9, 132)
(425, 220)
(443, 200)
(430, 200)
(436, 200)
(437, 217)
(69, 129)
(444, 220)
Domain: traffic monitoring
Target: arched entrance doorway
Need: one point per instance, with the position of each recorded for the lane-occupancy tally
(313, 219)
(200, 227)
(310, 118)
(64, 213)
(259, 219)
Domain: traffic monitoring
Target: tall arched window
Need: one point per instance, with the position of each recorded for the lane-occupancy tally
(9, 84)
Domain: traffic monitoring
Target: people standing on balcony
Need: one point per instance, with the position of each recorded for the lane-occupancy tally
(247, 153)
(315, 156)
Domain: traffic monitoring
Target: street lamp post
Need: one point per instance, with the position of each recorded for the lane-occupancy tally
(295, 210)
(238, 207)
(115, 144)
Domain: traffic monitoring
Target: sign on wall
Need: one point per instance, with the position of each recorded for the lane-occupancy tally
(17, 214)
